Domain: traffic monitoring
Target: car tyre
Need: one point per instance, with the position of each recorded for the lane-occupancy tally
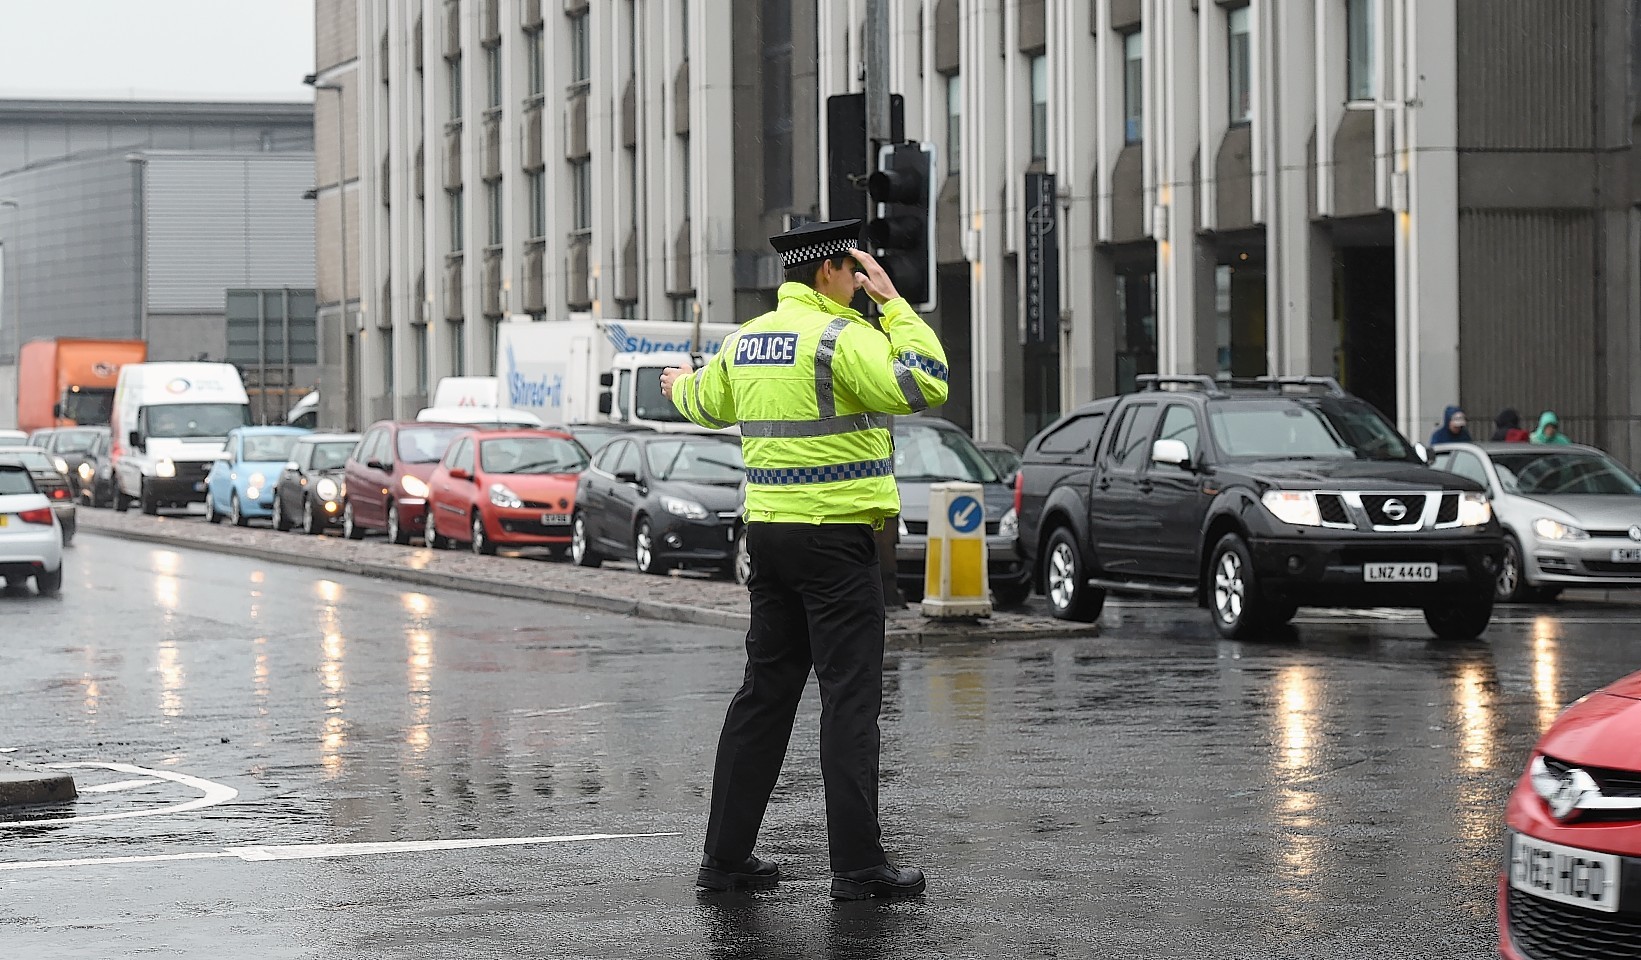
(1460, 620)
(310, 520)
(350, 529)
(396, 531)
(122, 503)
(480, 543)
(1010, 594)
(150, 504)
(1065, 579)
(1511, 584)
(211, 515)
(643, 549)
(280, 521)
(581, 549)
(1234, 600)
(49, 582)
(235, 512)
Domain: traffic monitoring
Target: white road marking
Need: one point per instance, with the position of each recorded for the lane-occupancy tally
(326, 851)
(111, 787)
(214, 793)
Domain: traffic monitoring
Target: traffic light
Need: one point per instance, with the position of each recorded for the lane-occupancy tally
(901, 228)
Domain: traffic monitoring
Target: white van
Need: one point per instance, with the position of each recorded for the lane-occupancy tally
(170, 423)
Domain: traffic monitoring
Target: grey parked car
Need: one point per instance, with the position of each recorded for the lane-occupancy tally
(1571, 515)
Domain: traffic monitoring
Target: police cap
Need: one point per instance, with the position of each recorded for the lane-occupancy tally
(817, 241)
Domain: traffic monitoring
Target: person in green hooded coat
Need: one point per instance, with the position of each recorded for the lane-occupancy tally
(1549, 429)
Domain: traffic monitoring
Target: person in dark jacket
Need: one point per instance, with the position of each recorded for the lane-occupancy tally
(1507, 427)
(1454, 428)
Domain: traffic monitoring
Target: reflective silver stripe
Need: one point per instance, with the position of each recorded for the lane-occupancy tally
(909, 388)
(795, 429)
(825, 404)
(692, 399)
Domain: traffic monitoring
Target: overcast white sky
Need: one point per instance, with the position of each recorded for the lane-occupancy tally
(156, 49)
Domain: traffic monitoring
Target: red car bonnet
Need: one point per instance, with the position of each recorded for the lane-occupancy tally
(1601, 730)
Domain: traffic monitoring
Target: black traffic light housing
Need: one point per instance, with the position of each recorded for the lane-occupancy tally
(901, 227)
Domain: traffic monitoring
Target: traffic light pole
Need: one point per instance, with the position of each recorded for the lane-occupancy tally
(877, 134)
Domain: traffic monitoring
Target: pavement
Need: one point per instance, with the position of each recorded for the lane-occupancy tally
(23, 784)
(619, 588)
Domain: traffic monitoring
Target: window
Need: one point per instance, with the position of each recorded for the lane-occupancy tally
(1240, 68)
(1075, 436)
(538, 203)
(492, 71)
(421, 360)
(1134, 449)
(537, 62)
(1468, 465)
(581, 175)
(458, 350)
(954, 121)
(1179, 423)
(457, 237)
(1360, 50)
(1039, 107)
(580, 50)
(683, 27)
(683, 308)
(626, 459)
(687, 186)
(454, 67)
(1133, 86)
(387, 361)
(492, 201)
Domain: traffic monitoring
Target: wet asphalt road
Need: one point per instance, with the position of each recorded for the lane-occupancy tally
(1155, 792)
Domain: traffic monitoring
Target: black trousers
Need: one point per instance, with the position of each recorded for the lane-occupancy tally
(816, 601)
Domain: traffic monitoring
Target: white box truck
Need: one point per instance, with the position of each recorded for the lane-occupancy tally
(170, 423)
(561, 370)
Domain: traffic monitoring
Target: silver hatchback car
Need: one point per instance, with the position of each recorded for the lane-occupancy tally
(1571, 515)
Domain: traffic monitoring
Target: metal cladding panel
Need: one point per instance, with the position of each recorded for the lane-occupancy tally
(1527, 317)
(214, 222)
(1526, 71)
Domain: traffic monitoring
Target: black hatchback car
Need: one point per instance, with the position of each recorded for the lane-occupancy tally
(1253, 498)
(308, 493)
(662, 500)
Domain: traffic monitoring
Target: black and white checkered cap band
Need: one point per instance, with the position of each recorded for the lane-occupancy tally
(818, 251)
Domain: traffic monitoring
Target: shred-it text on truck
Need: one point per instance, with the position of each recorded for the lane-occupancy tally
(70, 382)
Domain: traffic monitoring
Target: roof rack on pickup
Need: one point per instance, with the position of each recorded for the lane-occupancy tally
(1153, 382)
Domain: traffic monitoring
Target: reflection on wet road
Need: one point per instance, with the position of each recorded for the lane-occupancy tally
(1156, 792)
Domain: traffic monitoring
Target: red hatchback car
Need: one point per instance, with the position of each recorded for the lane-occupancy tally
(388, 475)
(506, 487)
(1571, 884)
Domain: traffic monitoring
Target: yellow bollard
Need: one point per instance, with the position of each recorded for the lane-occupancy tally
(954, 569)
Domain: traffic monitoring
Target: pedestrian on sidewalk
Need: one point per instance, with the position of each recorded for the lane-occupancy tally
(1549, 429)
(1507, 427)
(1455, 427)
(811, 385)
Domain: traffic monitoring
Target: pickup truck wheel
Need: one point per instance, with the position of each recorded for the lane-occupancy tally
(1065, 580)
(1511, 586)
(1460, 621)
(1233, 593)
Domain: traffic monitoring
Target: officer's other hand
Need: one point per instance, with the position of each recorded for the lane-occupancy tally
(874, 278)
(668, 376)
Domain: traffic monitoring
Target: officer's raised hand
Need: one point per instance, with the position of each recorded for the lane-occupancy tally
(668, 376)
(874, 278)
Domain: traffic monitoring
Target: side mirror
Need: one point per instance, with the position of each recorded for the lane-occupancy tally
(457, 473)
(134, 440)
(376, 464)
(1422, 452)
(626, 476)
(1172, 452)
(292, 466)
(605, 403)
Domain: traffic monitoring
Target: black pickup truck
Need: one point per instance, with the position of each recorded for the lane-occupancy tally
(1252, 498)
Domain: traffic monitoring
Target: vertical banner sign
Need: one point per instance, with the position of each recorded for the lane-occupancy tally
(1042, 280)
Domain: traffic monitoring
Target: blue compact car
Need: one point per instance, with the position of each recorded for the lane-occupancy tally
(241, 483)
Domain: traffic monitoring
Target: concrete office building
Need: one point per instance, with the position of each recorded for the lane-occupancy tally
(618, 158)
(1431, 201)
(133, 220)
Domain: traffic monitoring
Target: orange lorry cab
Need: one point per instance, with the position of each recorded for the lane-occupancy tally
(66, 383)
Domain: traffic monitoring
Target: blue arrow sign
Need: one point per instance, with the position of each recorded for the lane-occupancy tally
(965, 514)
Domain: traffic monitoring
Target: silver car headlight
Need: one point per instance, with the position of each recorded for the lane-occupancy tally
(503, 497)
(327, 489)
(85, 472)
(165, 468)
(1474, 510)
(688, 509)
(60, 464)
(414, 487)
(1009, 525)
(1297, 507)
(1548, 529)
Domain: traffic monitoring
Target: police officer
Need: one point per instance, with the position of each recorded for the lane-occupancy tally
(811, 385)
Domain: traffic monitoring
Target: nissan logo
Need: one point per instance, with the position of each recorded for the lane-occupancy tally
(1394, 509)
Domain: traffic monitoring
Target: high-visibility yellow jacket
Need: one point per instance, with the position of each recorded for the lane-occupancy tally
(811, 384)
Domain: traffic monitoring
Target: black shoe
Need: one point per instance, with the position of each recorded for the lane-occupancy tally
(749, 874)
(879, 881)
